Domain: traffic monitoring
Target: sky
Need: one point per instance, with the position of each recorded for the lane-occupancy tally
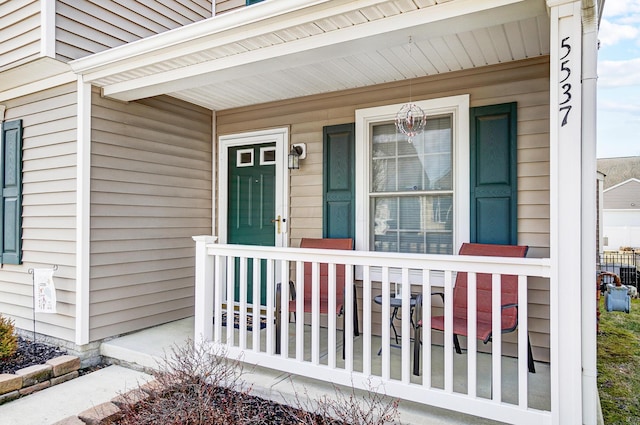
(619, 80)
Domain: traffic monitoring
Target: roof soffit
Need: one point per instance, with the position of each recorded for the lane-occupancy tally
(322, 36)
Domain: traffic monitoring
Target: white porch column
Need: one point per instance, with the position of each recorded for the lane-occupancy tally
(566, 211)
(203, 320)
(589, 213)
(83, 206)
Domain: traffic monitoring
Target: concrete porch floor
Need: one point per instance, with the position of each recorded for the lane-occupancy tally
(147, 348)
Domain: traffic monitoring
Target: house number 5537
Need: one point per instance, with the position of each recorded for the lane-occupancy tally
(565, 73)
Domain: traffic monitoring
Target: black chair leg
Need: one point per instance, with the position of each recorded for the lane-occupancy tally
(416, 349)
(456, 344)
(278, 324)
(532, 367)
(344, 331)
(356, 328)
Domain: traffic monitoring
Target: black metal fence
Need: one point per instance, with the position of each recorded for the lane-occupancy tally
(623, 263)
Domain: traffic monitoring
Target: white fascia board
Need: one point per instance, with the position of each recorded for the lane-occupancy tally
(271, 57)
(32, 72)
(246, 23)
(633, 179)
(36, 86)
(184, 36)
(207, 34)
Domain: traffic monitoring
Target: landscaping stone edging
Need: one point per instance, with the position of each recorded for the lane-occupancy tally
(38, 377)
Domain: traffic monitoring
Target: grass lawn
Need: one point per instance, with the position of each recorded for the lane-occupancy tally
(619, 365)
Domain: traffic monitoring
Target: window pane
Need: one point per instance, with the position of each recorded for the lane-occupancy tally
(419, 224)
(383, 175)
(424, 164)
(411, 175)
(384, 140)
(434, 147)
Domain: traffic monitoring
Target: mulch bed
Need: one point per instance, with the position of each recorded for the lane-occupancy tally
(29, 353)
(185, 406)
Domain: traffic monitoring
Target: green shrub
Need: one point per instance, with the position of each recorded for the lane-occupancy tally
(8, 340)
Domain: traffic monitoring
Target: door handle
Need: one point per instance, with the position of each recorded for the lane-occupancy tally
(278, 220)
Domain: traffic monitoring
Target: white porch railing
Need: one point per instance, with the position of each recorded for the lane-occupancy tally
(313, 349)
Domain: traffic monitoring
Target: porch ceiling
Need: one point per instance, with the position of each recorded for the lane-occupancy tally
(281, 49)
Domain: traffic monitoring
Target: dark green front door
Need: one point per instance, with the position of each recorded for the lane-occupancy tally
(251, 205)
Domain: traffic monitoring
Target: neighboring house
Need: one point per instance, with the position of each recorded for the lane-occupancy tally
(128, 130)
(621, 216)
(599, 214)
(619, 169)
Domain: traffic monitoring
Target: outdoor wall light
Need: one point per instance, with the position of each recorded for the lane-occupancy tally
(298, 152)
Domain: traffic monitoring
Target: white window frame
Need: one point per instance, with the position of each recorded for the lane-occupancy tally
(458, 107)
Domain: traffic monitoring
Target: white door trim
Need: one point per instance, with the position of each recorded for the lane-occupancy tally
(281, 138)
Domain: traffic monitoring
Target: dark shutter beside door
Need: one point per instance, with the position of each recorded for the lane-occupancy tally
(339, 181)
(11, 184)
(493, 170)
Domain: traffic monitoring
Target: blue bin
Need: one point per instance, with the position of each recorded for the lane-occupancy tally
(617, 298)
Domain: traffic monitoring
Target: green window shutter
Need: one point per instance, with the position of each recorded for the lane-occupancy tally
(11, 184)
(249, 2)
(493, 169)
(339, 181)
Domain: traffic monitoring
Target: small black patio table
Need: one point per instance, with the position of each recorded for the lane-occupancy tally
(396, 303)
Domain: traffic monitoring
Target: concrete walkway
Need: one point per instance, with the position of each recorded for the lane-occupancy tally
(72, 397)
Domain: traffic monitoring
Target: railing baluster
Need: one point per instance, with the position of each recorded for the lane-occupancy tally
(284, 307)
(315, 313)
(496, 337)
(472, 328)
(231, 274)
(348, 318)
(366, 320)
(242, 323)
(218, 289)
(331, 318)
(255, 324)
(271, 349)
(386, 333)
(406, 326)
(448, 332)
(426, 328)
(523, 342)
(299, 311)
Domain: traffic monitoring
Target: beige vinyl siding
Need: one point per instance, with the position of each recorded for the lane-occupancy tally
(19, 32)
(150, 193)
(85, 27)
(524, 82)
(223, 6)
(625, 196)
(49, 211)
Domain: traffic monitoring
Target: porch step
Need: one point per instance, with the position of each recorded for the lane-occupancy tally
(145, 349)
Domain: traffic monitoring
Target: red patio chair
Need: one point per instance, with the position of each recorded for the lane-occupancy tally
(325, 243)
(509, 302)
